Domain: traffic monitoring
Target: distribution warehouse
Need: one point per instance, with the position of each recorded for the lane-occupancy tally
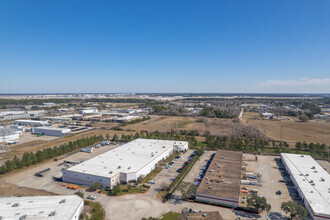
(123, 164)
(41, 207)
(51, 131)
(312, 183)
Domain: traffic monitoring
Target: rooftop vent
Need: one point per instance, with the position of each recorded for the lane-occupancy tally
(322, 179)
(313, 167)
(210, 187)
(118, 167)
(315, 171)
(30, 201)
(62, 201)
(301, 155)
(301, 174)
(311, 191)
(307, 174)
(205, 215)
(110, 172)
(15, 205)
(129, 168)
(22, 217)
(52, 213)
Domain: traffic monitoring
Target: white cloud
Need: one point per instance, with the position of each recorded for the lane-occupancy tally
(295, 82)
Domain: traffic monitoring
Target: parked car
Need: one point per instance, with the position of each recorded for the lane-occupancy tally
(151, 182)
(278, 192)
(179, 170)
(172, 179)
(91, 197)
(281, 181)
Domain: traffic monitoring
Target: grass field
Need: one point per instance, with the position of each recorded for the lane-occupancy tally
(293, 131)
(216, 126)
(8, 189)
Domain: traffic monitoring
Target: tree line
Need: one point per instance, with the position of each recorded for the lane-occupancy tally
(31, 158)
(249, 145)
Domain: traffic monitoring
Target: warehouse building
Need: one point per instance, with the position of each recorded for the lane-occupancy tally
(88, 111)
(311, 182)
(221, 183)
(32, 123)
(50, 131)
(66, 207)
(57, 119)
(8, 135)
(123, 164)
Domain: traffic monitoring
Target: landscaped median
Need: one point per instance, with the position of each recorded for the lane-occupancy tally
(165, 195)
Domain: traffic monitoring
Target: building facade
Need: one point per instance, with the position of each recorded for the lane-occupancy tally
(125, 163)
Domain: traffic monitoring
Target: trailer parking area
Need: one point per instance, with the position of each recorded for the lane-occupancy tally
(270, 181)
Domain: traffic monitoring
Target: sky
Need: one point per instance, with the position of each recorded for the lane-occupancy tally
(64, 46)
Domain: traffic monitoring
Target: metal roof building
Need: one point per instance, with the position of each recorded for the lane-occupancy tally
(221, 183)
(31, 123)
(123, 164)
(9, 134)
(41, 207)
(312, 183)
(51, 131)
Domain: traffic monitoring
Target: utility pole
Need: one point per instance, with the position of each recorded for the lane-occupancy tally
(281, 133)
(177, 128)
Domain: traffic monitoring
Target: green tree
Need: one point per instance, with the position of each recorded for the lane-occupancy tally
(258, 204)
(116, 190)
(94, 186)
(294, 209)
(107, 136)
(115, 137)
(80, 194)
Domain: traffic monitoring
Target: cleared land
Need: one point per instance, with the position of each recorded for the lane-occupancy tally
(217, 126)
(293, 131)
(8, 189)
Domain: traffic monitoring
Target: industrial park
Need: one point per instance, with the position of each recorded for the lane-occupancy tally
(164, 110)
(123, 152)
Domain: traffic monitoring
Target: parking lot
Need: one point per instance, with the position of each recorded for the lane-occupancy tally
(28, 179)
(271, 180)
(165, 176)
(195, 170)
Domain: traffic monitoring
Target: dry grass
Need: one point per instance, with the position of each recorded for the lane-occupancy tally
(293, 131)
(8, 189)
(216, 126)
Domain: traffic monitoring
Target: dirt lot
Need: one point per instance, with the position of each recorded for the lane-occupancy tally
(216, 126)
(293, 131)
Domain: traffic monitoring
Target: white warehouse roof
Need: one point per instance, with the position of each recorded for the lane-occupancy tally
(312, 179)
(40, 207)
(64, 130)
(128, 158)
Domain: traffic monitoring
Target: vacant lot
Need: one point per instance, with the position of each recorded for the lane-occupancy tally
(216, 126)
(293, 131)
(8, 189)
